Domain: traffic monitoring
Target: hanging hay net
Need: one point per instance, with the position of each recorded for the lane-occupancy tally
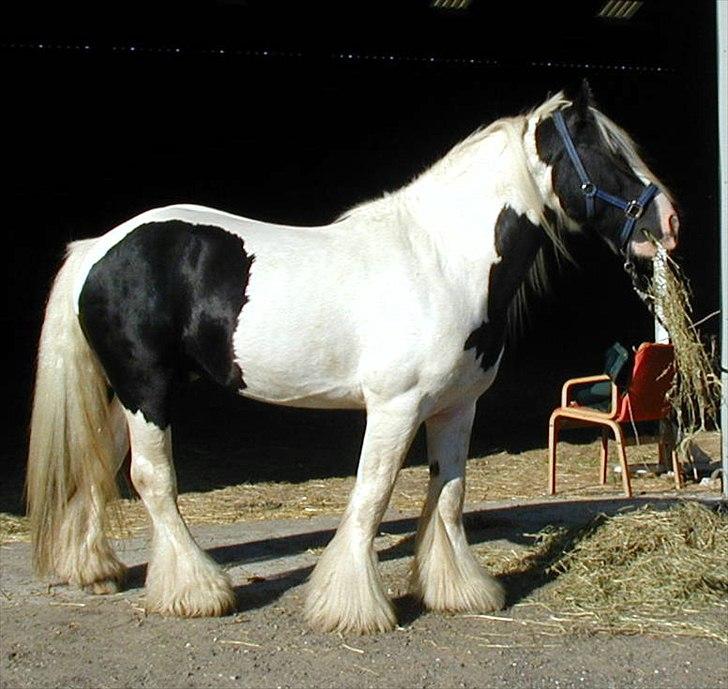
(647, 570)
(696, 391)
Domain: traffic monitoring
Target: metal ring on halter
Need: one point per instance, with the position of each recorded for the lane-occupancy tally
(589, 189)
(634, 209)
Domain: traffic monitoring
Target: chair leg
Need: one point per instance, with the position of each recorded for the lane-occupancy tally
(667, 446)
(604, 456)
(553, 440)
(619, 437)
(677, 469)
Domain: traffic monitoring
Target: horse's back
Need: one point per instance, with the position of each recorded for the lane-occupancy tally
(169, 291)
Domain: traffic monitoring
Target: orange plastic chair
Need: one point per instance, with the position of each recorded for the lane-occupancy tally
(644, 400)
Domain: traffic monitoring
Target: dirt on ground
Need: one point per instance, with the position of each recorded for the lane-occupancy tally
(55, 636)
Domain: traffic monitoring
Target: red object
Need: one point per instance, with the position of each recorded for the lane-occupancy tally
(645, 400)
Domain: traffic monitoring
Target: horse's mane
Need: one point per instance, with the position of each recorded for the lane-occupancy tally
(457, 159)
(513, 129)
(537, 278)
(452, 163)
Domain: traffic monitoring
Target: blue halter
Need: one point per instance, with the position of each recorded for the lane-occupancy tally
(632, 210)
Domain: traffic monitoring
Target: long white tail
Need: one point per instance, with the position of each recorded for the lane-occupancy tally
(72, 462)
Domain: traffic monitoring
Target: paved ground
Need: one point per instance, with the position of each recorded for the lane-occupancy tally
(59, 637)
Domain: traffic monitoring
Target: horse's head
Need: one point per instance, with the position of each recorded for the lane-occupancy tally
(603, 185)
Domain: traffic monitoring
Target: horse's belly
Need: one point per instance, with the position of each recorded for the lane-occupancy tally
(290, 361)
(280, 382)
(330, 398)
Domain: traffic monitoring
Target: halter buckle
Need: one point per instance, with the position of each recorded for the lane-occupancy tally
(589, 189)
(634, 210)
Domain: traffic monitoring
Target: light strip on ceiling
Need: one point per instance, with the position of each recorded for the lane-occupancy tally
(450, 4)
(619, 9)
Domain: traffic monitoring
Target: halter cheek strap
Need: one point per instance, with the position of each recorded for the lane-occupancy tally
(632, 210)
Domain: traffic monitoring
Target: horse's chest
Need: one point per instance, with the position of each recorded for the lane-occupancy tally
(486, 341)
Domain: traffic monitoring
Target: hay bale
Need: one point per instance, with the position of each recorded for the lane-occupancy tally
(648, 570)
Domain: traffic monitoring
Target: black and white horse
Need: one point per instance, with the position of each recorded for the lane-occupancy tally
(399, 307)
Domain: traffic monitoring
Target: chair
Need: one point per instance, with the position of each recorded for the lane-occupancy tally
(644, 400)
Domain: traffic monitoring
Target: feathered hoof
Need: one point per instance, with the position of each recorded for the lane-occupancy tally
(106, 587)
(209, 594)
(479, 593)
(96, 576)
(345, 594)
(332, 614)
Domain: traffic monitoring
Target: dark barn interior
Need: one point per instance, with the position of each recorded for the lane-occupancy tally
(293, 112)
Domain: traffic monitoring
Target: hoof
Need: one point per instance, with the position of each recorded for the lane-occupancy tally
(324, 614)
(466, 589)
(202, 592)
(345, 594)
(485, 595)
(104, 587)
(194, 604)
(98, 578)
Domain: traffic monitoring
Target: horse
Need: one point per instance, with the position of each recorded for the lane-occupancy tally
(399, 307)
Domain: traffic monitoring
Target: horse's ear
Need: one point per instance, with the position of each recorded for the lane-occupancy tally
(583, 100)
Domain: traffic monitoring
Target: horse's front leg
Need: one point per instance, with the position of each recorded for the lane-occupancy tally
(445, 574)
(345, 592)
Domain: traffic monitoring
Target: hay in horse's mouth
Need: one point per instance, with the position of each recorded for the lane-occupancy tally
(696, 392)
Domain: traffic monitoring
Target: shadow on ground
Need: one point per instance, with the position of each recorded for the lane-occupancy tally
(514, 525)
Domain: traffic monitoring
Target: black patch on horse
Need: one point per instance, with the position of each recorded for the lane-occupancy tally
(517, 241)
(163, 301)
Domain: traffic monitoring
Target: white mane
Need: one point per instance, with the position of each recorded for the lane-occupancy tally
(461, 157)
(466, 156)
(457, 160)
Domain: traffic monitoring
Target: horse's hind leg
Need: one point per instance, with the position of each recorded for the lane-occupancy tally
(181, 578)
(345, 592)
(445, 574)
(85, 556)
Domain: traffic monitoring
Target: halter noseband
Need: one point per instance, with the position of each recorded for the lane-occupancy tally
(631, 209)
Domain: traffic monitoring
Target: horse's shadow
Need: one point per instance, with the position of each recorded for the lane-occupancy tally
(512, 524)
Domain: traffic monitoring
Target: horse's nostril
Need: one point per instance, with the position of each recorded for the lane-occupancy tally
(674, 223)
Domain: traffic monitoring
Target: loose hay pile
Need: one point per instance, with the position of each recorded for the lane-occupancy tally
(647, 571)
(696, 391)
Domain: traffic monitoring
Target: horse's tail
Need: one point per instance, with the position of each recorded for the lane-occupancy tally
(71, 461)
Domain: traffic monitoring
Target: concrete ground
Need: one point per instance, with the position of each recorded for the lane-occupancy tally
(56, 636)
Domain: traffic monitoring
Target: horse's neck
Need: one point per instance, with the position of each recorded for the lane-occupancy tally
(459, 204)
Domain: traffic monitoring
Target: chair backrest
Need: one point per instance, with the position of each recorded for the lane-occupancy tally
(652, 377)
(615, 359)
